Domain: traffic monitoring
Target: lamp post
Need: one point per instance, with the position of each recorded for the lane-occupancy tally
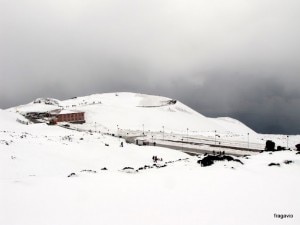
(163, 133)
(287, 142)
(143, 129)
(248, 140)
(187, 132)
(215, 137)
(118, 131)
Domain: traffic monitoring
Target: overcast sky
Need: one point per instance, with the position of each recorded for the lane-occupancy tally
(237, 58)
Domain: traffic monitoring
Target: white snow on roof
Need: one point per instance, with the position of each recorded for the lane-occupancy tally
(64, 111)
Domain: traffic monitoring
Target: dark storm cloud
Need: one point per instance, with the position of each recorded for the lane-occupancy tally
(224, 58)
(263, 103)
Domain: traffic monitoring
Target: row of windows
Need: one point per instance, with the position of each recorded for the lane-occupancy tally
(71, 117)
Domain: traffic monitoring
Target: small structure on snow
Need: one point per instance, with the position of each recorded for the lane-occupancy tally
(67, 116)
(142, 142)
(55, 116)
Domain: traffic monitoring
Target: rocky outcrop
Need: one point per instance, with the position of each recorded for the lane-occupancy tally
(210, 159)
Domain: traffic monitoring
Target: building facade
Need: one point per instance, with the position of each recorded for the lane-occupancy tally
(75, 117)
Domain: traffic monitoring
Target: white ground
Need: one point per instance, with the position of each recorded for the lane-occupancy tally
(36, 159)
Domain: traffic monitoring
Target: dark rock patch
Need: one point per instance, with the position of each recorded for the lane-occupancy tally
(288, 161)
(89, 171)
(128, 168)
(270, 145)
(72, 175)
(210, 159)
(274, 164)
(280, 148)
(159, 166)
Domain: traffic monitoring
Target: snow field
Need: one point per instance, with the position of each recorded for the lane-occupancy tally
(36, 160)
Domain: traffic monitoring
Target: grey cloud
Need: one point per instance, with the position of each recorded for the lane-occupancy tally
(264, 104)
(224, 58)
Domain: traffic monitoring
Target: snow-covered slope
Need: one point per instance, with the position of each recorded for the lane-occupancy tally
(52, 175)
(36, 160)
(8, 120)
(137, 111)
(122, 113)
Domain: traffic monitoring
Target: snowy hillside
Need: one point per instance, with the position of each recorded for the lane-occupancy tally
(50, 175)
(131, 111)
(53, 175)
(138, 114)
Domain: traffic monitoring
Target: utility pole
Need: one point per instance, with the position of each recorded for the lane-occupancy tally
(163, 133)
(287, 142)
(143, 129)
